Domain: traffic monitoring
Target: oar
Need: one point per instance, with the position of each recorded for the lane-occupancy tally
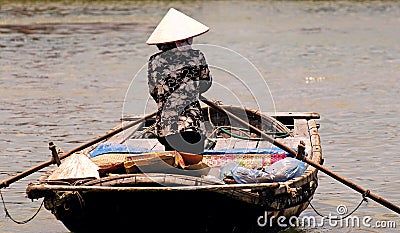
(7, 182)
(301, 156)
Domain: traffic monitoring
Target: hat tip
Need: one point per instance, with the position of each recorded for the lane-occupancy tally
(167, 30)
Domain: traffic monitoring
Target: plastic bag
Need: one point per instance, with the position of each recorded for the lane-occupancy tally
(280, 171)
(245, 175)
(226, 169)
(286, 169)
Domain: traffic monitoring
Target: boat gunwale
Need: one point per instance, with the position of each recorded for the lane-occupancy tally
(212, 187)
(294, 115)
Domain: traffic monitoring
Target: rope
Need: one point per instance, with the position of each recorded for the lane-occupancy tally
(19, 222)
(80, 199)
(209, 117)
(149, 129)
(364, 199)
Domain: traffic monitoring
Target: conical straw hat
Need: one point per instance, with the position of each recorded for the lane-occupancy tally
(176, 26)
(77, 166)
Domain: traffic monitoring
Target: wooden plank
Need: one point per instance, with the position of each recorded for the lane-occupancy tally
(225, 143)
(304, 115)
(147, 143)
(315, 141)
(301, 128)
(245, 144)
(294, 142)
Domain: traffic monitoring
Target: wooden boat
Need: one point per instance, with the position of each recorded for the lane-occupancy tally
(148, 188)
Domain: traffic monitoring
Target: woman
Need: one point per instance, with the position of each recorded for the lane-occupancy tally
(176, 77)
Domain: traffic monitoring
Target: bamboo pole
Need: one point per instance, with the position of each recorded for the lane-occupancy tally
(7, 182)
(301, 156)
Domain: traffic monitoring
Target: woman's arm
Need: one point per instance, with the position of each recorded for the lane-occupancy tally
(205, 75)
(151, 80)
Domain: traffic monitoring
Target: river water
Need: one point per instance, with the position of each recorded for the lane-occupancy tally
(65, 69)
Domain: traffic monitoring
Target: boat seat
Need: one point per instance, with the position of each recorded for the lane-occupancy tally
(230, 143)
(151, 144)
(239, 146)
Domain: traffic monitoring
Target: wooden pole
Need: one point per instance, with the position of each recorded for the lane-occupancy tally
(302, 157)
(54, 154)
(7, 182)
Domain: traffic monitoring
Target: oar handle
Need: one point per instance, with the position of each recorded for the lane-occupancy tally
(301, 156)
(7, 182)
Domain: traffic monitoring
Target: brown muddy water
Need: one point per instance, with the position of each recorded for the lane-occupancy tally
(65, 71)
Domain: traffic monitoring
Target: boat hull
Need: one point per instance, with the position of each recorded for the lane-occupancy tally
(184, 211)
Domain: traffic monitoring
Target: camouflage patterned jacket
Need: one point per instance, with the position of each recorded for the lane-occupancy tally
(176, 78)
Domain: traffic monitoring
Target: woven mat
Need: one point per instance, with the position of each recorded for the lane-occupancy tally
(109, 161)
(245, 160)
(114, 160)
